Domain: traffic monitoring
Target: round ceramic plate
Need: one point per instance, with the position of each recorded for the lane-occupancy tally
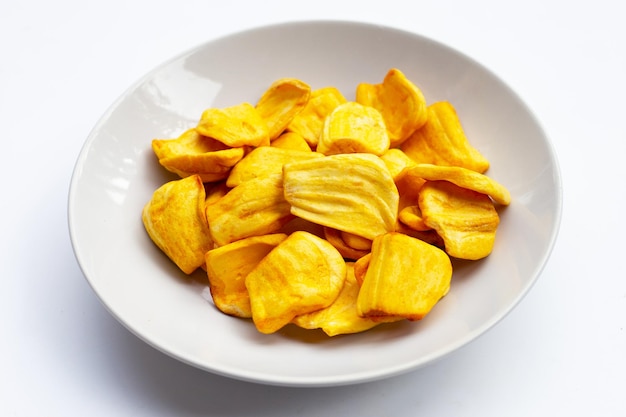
(117, 172)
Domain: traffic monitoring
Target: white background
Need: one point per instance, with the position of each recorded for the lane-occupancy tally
(562, 351)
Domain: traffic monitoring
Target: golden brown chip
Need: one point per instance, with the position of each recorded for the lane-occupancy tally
(281, 102)
(304, 273)
(291, 140)
(353, 193)
(466, 220)
(192, 153)
(400, 102)
(442, 141)
(335, 238)
(411, 216)
(264, 161)
(405, 278)
(396, 160)
(465, 178)
(360, 267)
(228, 266)
(253, 208)
(310, 121)
(235, 126)
(341, 316)
(215, 191)
(175, 221)
(353, 128)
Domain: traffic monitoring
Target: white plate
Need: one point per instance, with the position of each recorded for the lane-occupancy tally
(117, 172)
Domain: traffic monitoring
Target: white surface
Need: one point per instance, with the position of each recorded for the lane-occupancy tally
(117, 173)
(560, 352)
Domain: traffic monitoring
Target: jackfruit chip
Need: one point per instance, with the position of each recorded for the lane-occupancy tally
(409, 186)
(302, 274)
(429, 236)
(291, 140)
(310, 121)
(353, 128)
(253, 208)
(264, 161)
(341, 316)
(405, 277)
(214, 191)
(192, 153)
(281, 102)
(353, 193)
(465, 178)
(465, 219)
(411, 216)
(400, 102)
(335, 238)
(175, 221)
(360, 267)
(442, 141)
(228, 266)
(235, 126)
(356, 242)
(396, 160)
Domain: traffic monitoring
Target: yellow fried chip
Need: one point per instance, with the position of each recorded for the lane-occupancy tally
(310, 121)
(396, 160)
(214, 191)
(411, 216)
(291, 140)
(353, 193)
(353, 128)
(465, 178)
(264, 161)
(360, 267)
(302, 274)
(442, 141)
(235, 126)
(175, 221)
(253, 208)
(192, 153)
(228, 266)
(405, 277)
(466, 220)
(335, 238)
(281, 102)
(409, 186)
(341, 316)
(400, 102)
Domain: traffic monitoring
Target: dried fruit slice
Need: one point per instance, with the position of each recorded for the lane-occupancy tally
(335, 238)
(235, 126)
(228, 266)
(192, 153)
(396, 160)
(175, 221)
(353, 193)
(400, 102)
(405, 278)
(264, 161)
(341, 316)
(281, 102)
(302, 274)
(353, 128)
(253, 208)
(291, 140)
(465, 178)
(466, 220)
(442, 141)
(310, 121)
(411, 216)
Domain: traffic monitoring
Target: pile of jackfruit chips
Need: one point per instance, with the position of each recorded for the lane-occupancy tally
(309, 209)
